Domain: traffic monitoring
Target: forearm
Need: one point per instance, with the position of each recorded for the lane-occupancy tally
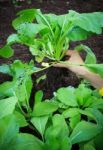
(95, 79)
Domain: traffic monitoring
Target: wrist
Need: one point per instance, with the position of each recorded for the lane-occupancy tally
(95, 79)
(84, 72)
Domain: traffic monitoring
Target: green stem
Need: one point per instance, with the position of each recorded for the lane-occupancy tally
(70, 64)
(47, 24)
(20, 106)
(27, 103)
(43, 68)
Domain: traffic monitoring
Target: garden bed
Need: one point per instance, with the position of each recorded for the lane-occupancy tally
(66, 110)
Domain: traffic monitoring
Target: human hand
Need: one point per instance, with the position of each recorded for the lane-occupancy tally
(74, 63)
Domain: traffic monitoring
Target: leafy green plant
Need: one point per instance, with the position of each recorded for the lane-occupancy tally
(70, 117)
(49, 35)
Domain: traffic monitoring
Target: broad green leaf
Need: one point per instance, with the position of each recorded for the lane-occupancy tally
(7, 89)
(6, 51)
(5, 69)
(52, 18)
(23, 89)
(57, 135)
(83, 96)
(96, 68)
(78, 34)
(20, 119)
(59, 120)
(34, 49)
(67, 96)
(87, 113)
(90, 57)
(7, 106)
(39, 49)
(74, 120)
(8, 130)
(56, 143)
(44, 108)
(13, 38)
(22, 82)
(70, 112)
(97, 115)
(38, 96)
(27, 32)
(89, 101)
(97, 104)
(52, 143)
(46, 20)
(26, 141)
(20, 69)
(40, 123)
(20, 92)
(27, 15)
(84, 131)
(65, 144)
(91, 22)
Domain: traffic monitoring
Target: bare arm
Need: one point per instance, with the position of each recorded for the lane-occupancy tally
(73, 64)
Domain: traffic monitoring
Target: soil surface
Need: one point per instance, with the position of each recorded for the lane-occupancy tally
(56, 77)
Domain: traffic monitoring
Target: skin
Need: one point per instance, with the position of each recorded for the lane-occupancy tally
(72, 64)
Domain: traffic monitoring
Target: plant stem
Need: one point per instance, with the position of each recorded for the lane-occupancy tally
(20, 106)
(70, 64)
(47, 24)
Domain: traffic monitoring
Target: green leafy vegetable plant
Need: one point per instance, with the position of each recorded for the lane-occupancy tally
(49, 35)
(69, 118)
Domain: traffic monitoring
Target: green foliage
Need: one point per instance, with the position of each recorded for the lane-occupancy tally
(24, 140)
(44, 108)
(8, 130)
(84, 131)
(51, 34)
(67, 96)
(38, 96)
(90, 57)
(73, 115)
(7, 106)
(27, 15)
(40, 123)
(59, 122)
(6, 51)
(96, 68)
(57, 134)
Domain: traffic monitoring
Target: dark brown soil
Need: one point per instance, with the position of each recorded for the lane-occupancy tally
(55, 77)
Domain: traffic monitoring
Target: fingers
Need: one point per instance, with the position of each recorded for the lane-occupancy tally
(74, 58)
